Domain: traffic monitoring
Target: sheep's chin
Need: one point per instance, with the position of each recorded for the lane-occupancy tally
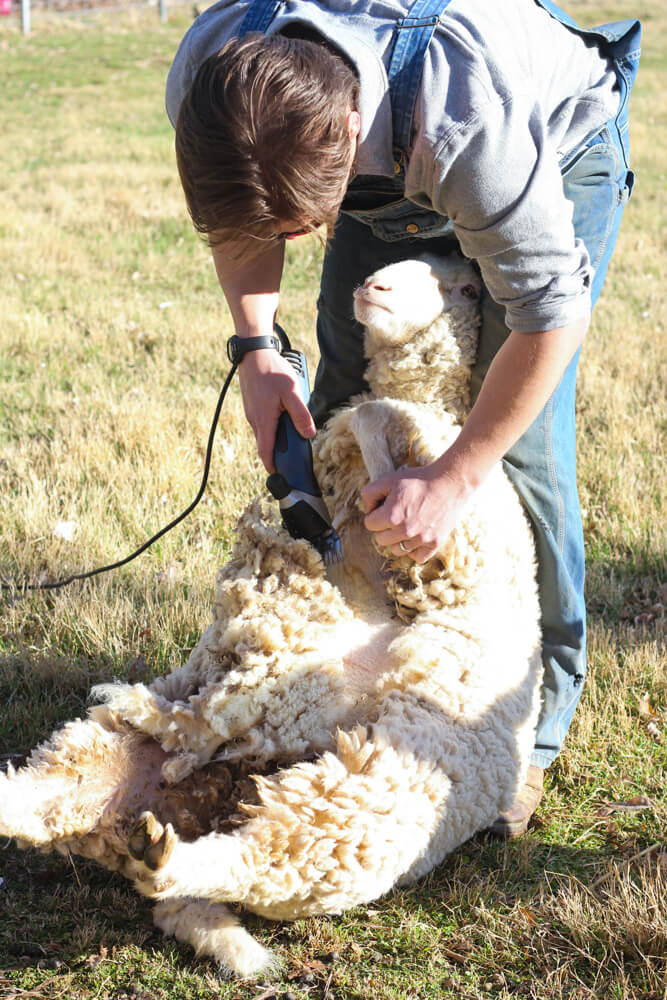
(383, 323)
(387, 328)
(371, 313)
(388, 322)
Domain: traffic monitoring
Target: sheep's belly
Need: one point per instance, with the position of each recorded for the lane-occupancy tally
(364, 649)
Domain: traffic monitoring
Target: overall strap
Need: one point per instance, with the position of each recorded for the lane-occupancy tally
(621, 36)
(559, 14)
(620, 39)
(259, 16)
(412, 35)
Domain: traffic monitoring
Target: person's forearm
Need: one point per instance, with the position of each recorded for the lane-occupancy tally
(268, 382)
(251, 289)
(522, 377)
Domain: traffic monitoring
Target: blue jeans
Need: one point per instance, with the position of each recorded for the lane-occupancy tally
(542, 464)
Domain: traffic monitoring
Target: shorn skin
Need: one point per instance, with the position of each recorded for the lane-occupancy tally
(388, 708)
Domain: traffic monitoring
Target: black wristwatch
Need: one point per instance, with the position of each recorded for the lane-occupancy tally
(238, 347)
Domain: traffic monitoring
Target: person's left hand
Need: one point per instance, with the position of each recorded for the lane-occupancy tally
(421, 507)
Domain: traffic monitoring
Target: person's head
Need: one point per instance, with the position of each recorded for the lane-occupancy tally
(265, 140)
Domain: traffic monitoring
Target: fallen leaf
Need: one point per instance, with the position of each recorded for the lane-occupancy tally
(649, 615)
(94, 960)
(308, 968)
(454, 956)
(644, 706)
(640, 800)
(638, 803)
(354, 952)
(628, 847)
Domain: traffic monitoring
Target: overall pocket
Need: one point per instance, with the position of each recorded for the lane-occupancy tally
(597, 182)
(399, 219)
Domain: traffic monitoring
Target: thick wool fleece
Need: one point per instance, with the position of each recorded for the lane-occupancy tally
(394, 703)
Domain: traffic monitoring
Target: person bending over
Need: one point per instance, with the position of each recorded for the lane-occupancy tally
(496, 130)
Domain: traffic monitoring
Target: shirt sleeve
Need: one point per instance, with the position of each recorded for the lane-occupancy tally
(497, 179)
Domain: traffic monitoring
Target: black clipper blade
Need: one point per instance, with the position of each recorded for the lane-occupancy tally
(329, 547)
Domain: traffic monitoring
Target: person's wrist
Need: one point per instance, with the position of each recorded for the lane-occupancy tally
(459, 469)
(238, 347)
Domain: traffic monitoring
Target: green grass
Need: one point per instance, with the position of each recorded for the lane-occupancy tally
(111, 357)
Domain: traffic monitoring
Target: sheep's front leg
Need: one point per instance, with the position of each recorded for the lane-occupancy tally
(369, 424)
(212, 867)
(213, 930)
(83, 789)
(326, 836)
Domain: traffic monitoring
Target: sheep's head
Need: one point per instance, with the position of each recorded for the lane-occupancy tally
(402, 299)
(421, 319)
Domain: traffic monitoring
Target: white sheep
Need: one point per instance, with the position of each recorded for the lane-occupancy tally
(388, 708)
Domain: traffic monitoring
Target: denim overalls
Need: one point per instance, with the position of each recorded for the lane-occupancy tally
(379, 226)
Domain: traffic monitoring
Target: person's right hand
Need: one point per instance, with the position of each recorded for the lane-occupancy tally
(268, 386)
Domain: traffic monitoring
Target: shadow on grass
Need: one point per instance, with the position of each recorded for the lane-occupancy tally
(64, 916)
(40, 692)
(626, 585)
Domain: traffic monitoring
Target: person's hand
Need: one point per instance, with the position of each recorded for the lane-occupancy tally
(268, 386)
(412, 511)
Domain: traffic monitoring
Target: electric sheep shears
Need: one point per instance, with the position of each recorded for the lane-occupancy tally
(293, 484)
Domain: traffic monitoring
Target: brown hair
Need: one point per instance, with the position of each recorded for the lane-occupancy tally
(262, 137)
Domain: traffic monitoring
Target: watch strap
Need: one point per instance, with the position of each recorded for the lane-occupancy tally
(238, 347)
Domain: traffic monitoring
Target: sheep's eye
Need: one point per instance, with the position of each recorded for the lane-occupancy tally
(469, 292)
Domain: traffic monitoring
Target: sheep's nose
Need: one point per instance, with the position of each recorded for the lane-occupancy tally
(371, 284)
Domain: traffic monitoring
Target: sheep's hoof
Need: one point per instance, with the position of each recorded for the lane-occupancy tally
(151, 842)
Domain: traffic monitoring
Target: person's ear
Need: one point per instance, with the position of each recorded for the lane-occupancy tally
(353, 124)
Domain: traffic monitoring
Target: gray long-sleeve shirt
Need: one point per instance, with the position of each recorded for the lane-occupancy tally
(506, 92)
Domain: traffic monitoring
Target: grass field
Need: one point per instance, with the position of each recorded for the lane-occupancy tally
(112, 336)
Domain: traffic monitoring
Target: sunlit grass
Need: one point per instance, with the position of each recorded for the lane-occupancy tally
(112, 334)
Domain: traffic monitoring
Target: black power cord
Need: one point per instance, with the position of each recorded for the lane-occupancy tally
(159, 534)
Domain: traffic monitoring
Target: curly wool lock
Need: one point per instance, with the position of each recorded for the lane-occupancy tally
(387, 709)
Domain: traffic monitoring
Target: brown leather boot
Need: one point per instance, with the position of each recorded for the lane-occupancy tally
(514, 821)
